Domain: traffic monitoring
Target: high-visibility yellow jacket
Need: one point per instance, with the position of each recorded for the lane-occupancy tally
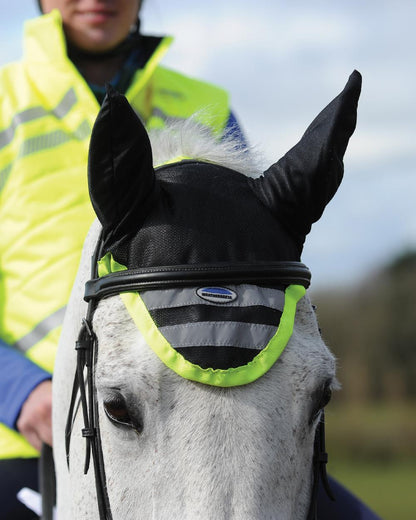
(46, 114)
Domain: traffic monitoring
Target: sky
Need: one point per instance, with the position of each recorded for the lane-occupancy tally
(282, 62)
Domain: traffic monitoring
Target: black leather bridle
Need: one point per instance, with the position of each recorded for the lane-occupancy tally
(269, 274)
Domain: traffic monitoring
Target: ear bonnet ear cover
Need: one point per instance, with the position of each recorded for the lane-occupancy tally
(298, 187)
(120, 171)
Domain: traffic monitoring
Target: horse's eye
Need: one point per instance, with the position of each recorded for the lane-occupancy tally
(320, 399)
(116, 410)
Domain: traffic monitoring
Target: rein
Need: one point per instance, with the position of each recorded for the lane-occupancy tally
(96, 288)
(86, 348)
(320, 460)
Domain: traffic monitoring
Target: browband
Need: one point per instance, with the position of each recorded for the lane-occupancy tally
(141, 279)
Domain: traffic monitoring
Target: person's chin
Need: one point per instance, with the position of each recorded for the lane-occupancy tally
(96, 40)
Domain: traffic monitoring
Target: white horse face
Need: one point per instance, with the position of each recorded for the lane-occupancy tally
(190, 450)
(193, 451)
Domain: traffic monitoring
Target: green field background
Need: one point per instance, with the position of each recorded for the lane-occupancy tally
(372, 451)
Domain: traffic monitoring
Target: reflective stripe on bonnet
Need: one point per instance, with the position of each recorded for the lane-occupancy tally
(240, 375)
(248, 295)
(219, 334)
(136, 305)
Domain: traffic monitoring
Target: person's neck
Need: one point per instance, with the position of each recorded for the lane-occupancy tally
(100, 68)
(99, 72)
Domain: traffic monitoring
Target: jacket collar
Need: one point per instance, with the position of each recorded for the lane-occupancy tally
(44, 42)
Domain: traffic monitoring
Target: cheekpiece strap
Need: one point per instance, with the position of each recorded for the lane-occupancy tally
(320, 459)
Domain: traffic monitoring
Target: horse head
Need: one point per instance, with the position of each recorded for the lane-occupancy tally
(207, 376)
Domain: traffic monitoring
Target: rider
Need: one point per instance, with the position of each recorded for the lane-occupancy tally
(49, 103)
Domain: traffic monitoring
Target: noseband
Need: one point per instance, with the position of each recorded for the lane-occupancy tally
(268, 274)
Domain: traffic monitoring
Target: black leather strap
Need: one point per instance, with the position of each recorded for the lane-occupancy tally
(84, 386)
(47, 482)
(320, 459)
(279, 273)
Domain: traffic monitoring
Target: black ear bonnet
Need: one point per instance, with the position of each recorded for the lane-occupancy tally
(194, 212)
(217, 312)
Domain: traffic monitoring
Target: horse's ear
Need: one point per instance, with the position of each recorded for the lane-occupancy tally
(120, 170)
(299, 186)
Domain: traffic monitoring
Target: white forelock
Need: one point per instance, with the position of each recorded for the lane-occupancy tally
(188, 138)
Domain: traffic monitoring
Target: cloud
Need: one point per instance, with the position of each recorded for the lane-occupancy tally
(204, 43)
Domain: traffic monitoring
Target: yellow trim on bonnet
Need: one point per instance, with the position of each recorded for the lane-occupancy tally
(215, 377)
(107, 265)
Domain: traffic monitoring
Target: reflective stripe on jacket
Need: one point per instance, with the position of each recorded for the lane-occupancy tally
(47, 112)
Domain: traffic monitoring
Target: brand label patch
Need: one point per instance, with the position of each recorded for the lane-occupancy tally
(216, 294)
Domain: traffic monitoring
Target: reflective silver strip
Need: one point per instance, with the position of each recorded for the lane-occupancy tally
(4, 175)
(156, 112)
(6, 136)
(43, 142)
(171, 93)
(67, 102)
(83, 131)
(52, 140)
(46, 142)
(248, 295)
(41, 330)
(219, 334)
(60, 111)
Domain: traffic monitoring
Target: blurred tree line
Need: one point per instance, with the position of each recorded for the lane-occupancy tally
(371, 328)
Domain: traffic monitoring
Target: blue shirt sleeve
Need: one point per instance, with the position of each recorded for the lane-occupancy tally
(18, 377)
(345, 507)
(234, 130)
